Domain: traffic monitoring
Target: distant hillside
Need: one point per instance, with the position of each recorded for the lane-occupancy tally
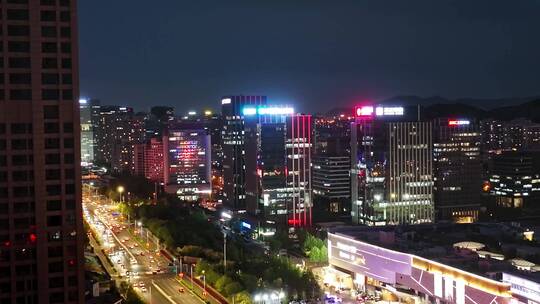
(436, 106)
(482, 103)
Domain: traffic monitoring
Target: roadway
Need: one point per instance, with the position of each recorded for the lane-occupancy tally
(135, 261)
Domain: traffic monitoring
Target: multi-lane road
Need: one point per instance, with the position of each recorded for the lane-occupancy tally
(134, 261)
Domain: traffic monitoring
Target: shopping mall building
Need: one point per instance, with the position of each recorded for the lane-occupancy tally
(443, 263)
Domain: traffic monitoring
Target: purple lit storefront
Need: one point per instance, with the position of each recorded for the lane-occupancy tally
(433, 281)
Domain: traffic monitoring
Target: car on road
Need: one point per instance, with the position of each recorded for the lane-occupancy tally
(143, 289)
(181, 290)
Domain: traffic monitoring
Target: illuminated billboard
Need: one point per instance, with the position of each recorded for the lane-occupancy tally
(263, 110)
(370, 111)
(457, 122)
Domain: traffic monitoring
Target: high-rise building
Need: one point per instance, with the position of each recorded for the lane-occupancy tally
(515, 178)
(149, 160)
(89, 109)
(234, 175)
(277, 161)
(331, 168)
(158, 121)
(119, 130)
(187, 167)
(457, 170)
(331, 187)
(391, 167)
(41, 228)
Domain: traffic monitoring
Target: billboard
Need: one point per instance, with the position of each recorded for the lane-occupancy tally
(372, 261)
(527, 290)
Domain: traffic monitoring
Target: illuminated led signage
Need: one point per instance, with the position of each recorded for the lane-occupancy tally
(248, 111)
(370, 111)
(458, 122)
(523, 287)
(225, 101)
(364, 111)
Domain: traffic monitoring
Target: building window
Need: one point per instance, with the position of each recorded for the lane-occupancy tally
(49, 78)
(67, 94)
(49, 47)
(52, 159)
(66, 47)
(18, 46)
(68, 127)
(52, 174)
(50, 94)
(21, 128)
(51, 112)
(48, 31)
(17, 14)
(18, 30)
(52, 143)
(69, 143)
(65, 16)
(19, 62)
(66, 79)
(65, 32)
(48, 2)
(19, 160)
(49, 63)
(70, 173)
(48, 16)
(54, 220)
(20, 94)
(55, 205)
(52, 127)
(53, 190)
(66, 63)
(69, 158)
(20, 78)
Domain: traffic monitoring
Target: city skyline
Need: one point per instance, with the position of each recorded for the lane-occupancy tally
(314, 56)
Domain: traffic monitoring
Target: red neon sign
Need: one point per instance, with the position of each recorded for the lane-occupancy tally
(458, 122)
(365, 111)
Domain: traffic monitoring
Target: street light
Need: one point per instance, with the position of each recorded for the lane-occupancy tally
(120, 190)
(204, 280)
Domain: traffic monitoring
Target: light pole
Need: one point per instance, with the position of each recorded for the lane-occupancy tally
(191, 274)
(204, 281)
(120, 190)
(224, 251)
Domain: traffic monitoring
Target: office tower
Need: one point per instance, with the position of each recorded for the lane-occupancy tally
(158, 121)
(278, 147)
(188, 163)
(41, 229)
(331, 168)
(119, 130)
(391, 167)
(457, 170)
(89, 109)
(331, 187)
(514, 135)
(514, 178)
(234, 193)
(148, 160)
(332, 135)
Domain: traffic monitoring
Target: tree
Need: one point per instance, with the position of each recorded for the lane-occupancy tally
(222, 282)
(242, 298)
(232, 288)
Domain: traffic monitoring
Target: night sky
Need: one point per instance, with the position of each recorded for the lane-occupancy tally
(314, 54)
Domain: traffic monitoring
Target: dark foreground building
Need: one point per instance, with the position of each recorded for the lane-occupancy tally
(41, 230)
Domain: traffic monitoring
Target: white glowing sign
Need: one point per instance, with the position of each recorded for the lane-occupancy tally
(379, 111)
(248, 111)
(523, 287)
(225, 101)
